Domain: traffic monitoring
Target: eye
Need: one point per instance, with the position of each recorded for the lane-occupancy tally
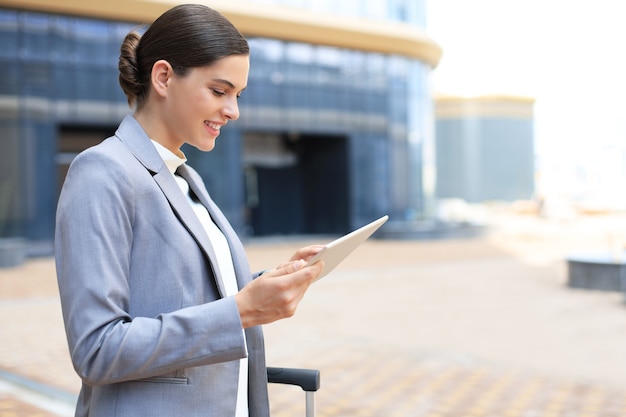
(217, 92)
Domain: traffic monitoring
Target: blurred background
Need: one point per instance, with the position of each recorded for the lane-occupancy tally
(562, 54)
(426, 111)
(490, 131)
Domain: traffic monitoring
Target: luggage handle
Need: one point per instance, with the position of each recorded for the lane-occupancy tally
(307, 379)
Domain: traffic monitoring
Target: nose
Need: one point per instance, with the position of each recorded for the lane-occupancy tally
(231, 109)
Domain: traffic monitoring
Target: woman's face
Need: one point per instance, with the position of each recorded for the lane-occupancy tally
(200, 103)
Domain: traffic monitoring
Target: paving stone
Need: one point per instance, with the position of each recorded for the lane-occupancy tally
(12, 407)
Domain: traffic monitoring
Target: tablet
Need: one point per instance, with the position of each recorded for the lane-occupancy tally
(337, 250)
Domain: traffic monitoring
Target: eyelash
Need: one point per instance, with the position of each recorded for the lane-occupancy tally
(220, 93)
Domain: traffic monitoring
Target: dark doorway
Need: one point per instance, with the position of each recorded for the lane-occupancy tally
(296, 184)
(279, 210)
(324, 171)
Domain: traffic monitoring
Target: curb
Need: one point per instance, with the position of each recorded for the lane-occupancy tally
(45, 397)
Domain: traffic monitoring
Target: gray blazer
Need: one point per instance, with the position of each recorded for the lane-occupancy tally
(149, 329)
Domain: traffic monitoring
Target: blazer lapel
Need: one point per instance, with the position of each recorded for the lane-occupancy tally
(188, 217)
(131, 133)
(240, 262)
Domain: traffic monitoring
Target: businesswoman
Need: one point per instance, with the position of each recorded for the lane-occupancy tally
(161, 312)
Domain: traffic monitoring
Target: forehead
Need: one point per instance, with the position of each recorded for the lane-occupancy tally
(232, 69)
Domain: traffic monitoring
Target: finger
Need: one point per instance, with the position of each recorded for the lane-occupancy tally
(305, 272)
(294, 266)
(318, 267)
(285, 268)
(307, 252)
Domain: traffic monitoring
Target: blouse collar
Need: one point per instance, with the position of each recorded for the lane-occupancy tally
(172, 161)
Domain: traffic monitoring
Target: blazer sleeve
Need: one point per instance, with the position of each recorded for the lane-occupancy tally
(93, 243)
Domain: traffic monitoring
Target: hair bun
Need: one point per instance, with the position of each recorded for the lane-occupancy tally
(128, 67)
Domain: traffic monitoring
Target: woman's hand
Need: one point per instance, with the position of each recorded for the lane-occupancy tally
(304, 253)
(276, 294)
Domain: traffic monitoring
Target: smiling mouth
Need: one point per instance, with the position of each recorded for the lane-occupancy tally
(213, 126)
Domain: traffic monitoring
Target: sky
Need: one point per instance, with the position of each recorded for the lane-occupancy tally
(569, 56)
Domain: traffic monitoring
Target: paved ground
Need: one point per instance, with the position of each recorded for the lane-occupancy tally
(446, 328)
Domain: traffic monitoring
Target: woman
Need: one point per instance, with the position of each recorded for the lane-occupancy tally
(161, 312)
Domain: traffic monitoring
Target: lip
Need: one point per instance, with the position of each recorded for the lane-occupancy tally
(213, 127)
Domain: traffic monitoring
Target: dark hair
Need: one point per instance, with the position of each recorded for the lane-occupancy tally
(186, 36)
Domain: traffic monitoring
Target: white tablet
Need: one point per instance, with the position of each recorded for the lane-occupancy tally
(337, 250)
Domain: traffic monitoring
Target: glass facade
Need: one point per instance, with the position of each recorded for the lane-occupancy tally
(336, 122)
(54, 70)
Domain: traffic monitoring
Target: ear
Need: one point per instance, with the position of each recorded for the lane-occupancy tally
(162, 73)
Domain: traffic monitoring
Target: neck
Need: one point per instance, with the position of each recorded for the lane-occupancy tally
(157, 132)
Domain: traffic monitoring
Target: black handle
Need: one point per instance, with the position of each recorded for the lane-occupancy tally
(307, 379)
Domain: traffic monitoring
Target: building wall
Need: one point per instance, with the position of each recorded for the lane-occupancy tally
(58, 76)
(485, 148)
(55, 71)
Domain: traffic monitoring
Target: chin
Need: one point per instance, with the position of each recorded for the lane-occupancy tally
(205, 146)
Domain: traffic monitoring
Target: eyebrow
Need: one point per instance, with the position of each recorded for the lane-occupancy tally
(228, 83)
(222, 81)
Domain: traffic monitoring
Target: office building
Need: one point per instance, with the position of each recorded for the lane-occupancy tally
(333, 122)
(485, 148)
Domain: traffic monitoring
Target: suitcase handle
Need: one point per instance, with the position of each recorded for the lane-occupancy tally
(307, 379)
